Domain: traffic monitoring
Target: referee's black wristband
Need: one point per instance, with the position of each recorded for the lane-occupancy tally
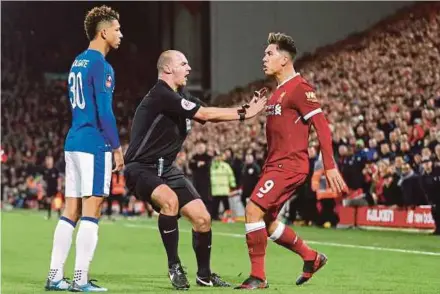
(242, 113)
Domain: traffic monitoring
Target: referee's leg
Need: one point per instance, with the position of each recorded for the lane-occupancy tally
(166, 199)
(195, 210)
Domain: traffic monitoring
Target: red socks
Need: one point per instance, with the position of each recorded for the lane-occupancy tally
(256, 239)
(287, 238)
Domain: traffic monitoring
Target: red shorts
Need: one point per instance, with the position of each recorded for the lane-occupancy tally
(274, 188)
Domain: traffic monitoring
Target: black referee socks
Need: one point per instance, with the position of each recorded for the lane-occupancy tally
(202, 248)
(169, 230)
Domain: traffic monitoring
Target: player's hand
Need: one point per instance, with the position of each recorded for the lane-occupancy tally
(336, 182)
(119, 159)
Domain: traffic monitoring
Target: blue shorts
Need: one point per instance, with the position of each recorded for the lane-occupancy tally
(88, 174)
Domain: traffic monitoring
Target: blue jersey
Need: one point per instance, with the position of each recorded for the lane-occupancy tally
(91, 84)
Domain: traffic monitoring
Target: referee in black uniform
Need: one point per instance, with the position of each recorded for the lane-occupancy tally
(160, 126)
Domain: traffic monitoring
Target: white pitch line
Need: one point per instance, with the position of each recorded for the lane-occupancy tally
(310, 242)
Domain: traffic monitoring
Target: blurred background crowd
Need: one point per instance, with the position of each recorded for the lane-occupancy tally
(380, 90)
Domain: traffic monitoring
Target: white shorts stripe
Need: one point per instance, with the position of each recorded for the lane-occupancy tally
(87, 172)
(107, 172)
(312, 113)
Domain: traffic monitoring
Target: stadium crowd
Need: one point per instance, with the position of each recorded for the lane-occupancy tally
(380, 90)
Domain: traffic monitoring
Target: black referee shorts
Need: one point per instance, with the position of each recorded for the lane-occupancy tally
(141, 180)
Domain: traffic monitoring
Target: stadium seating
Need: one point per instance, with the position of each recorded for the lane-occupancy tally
(380, 90)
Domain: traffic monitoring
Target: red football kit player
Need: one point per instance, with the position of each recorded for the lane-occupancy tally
(291, 110)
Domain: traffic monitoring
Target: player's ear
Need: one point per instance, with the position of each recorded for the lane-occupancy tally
(285, 60)
(104, 34)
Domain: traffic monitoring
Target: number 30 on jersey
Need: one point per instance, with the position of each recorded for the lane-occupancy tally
(76, 88)
(268, 185)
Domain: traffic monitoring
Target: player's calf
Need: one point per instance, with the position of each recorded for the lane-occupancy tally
(62, 242)
(86, 242)
(286, 237)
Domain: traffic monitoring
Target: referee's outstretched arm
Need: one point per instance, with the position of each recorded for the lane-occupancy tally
(173, 69)
(216, 114)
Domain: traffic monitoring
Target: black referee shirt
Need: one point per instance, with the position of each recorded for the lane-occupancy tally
(160, 125)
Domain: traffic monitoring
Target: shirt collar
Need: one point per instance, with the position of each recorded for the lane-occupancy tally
(288, 79)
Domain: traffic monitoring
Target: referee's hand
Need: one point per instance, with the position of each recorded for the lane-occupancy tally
(119, 159)
(256, 105)
(260, 93)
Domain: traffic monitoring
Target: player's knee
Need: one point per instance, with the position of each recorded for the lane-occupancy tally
(271, 226)
(72, 213)
(253, 213)
(91, 206)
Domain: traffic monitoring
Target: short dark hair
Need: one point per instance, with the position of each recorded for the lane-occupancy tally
(96, 16)
(284, 42)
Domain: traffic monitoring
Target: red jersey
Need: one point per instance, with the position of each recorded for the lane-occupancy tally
(288, 111)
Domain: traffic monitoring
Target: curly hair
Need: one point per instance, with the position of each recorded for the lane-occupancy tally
(95, 17)
(284, 42)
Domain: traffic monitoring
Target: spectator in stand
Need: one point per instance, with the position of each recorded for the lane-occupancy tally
(52, 178)
(249, 177)
(236, 164)
(392, 195)
(437, 155)
(431, 187)
(222, 181)
(387, 85)
(305, 202)
(410, 185)
(200, 166)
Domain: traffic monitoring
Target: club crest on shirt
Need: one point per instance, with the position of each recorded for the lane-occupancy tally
(280, 99)
(108, 81)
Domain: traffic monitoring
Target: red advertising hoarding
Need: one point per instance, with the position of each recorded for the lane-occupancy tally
(381, 216)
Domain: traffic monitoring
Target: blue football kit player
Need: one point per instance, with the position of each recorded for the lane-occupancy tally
(90, 142)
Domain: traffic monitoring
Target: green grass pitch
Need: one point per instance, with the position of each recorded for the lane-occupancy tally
(130, 258)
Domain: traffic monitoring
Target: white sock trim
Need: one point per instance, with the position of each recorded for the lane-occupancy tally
(278, 232)
(252, 227)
